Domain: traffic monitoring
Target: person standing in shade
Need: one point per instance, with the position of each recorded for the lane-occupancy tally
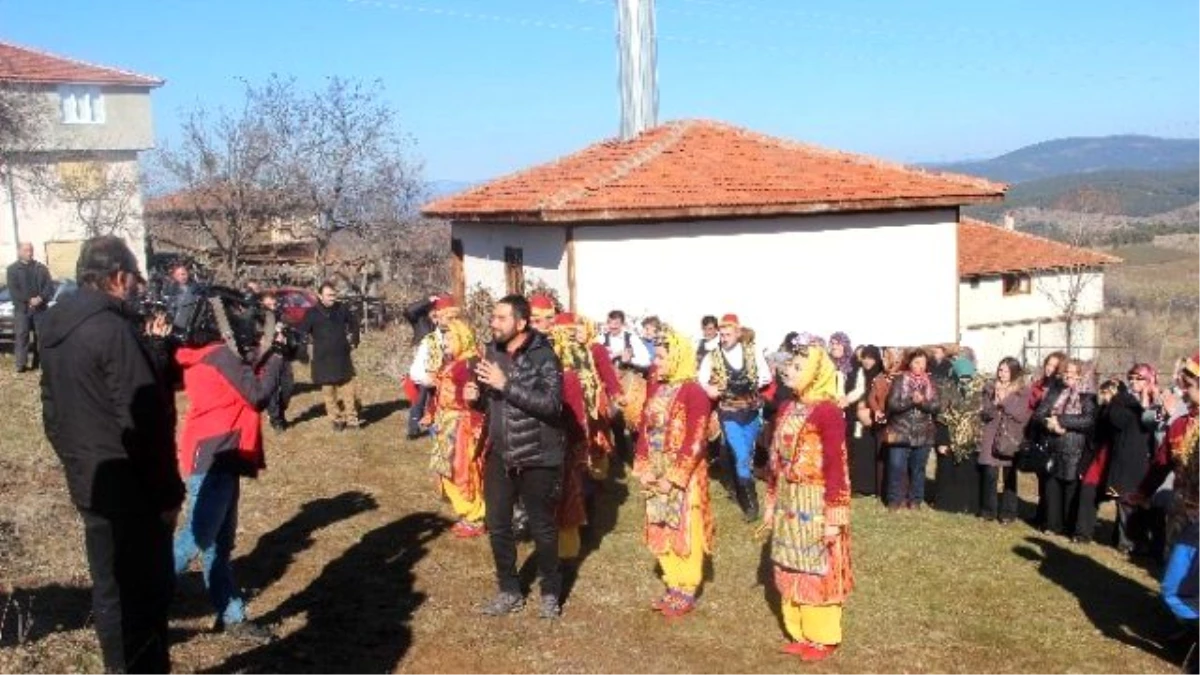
(334, 334)
(108, 412)
(521, 383)
(31, 290)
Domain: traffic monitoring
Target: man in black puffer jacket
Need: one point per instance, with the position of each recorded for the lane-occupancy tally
(521, 383)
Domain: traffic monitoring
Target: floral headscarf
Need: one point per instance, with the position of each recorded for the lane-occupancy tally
(459, 335)
(818, 379)
(845, 364)
(680, 364)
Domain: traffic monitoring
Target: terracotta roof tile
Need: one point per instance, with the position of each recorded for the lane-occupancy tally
(22, 64)
(986, 249)
(698, 169)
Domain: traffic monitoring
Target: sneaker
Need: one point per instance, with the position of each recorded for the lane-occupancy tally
(549, 608)
(248, 631)
(503, 604)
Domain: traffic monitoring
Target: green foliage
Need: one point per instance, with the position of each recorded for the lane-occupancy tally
(1119, 193)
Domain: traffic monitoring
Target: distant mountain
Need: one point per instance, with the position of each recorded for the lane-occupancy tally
(1084, 155)
(1114, 193)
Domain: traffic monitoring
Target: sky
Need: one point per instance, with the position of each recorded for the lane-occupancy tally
(486, 87)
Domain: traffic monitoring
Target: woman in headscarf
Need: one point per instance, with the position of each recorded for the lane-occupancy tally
(863, 446)
(808, 508)
(456, 458)
(669, 464)
(1068, 414)
(581, 404)
(610, 397)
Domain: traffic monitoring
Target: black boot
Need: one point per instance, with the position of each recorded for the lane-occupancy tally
(749, 491)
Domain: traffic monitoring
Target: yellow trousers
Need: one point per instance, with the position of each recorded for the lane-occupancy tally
(821, 624)
(569, 543)
(471, 510)
(685, 574)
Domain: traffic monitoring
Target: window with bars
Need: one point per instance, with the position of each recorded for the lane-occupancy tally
(1017, 284)
(80, 104)
(514, 270)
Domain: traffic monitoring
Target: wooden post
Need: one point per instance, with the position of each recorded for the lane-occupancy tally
(571, 303)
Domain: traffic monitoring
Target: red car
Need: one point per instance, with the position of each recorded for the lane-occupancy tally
(294, 303)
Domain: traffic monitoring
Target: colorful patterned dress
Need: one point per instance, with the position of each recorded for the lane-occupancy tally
(456, 459)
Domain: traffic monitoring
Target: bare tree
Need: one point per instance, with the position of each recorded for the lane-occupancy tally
(103, 196)
(224, 169)
(344, 159)
(1067, 288)
(23, 117)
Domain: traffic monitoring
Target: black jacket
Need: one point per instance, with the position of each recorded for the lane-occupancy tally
(909, 424)
(27, 280)
(525, 421)
(1069, 449)
(1130, 442)
(334, 333)
(109, 416)
(417, 316)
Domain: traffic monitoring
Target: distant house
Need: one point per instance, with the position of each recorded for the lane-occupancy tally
(1018, 291)
(695, 217)
(79, 174)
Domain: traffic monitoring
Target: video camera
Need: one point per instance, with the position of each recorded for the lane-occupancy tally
(203, 314)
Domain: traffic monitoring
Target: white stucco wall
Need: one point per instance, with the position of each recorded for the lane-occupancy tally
(44, 217)
(543, 247)
(986, 303)
(1029, 326)
(887, 278)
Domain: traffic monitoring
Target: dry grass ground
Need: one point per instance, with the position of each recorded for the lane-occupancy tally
(342, 545)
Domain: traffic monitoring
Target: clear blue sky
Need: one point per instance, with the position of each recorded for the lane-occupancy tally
(490, 86)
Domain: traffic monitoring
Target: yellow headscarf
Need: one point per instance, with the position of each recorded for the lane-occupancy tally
(460, 334)
(589, 329)
(680, 364)
(818, 380)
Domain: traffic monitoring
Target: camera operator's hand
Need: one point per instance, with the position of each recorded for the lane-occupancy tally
(159, 326)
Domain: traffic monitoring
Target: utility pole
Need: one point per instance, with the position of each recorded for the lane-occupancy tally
(637, 53)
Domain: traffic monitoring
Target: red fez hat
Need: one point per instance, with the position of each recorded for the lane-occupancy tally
(542, 306)
(444, 301)
(565, 319)
(1192, 366)
(730, 320)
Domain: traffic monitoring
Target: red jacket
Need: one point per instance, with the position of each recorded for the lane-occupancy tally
(222, 430)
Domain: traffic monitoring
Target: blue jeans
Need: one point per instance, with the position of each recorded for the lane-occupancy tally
(906, 461)
(209, 527)
(741, 437)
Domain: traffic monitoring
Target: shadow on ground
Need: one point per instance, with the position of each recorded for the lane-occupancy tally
(1120, 608)
(358, 610)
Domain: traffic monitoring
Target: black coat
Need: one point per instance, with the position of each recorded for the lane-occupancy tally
(525, 420)
(1130, 442)
(29, 280)
(108, 414)
(334, 334)
(417, 316)
(1070, 450)
(910, 424)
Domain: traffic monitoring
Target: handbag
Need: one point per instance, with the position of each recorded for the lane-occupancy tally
(1035, 457)
(1004, 446)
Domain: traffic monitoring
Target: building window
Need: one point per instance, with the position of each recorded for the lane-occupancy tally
(1016, 284)
(514, 270)
(81, 104)
(458, 278)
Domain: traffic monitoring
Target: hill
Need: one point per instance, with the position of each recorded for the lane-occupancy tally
(1085, 155)
(1138, 194)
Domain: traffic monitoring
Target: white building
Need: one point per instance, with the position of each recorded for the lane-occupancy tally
(695, 218)
(77, 174)
(1018, 292)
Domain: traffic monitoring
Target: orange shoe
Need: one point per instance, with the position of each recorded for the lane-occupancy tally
(813, 652)
(464, 530)
(679, 604)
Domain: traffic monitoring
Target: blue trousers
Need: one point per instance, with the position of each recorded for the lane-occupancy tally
(905, 462)
(740, 438)
(209, 528)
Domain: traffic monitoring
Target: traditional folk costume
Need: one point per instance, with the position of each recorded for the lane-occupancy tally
(427, 362)
(600, 428)
(670, 463)
(1179, 454)
(581, 400)
(542, 310)
(808, 510)
(457, 456)
(738, 374)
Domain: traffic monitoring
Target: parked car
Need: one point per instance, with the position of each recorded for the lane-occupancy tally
(294, 303)
(62, 287)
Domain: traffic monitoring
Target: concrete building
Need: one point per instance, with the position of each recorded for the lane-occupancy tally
(78, 174)
(693, 218)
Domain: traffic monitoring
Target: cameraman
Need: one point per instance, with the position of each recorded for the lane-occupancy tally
(111, 421)
(288, 347)
(221, 442)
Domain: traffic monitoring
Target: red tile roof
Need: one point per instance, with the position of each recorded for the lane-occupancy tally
(985, 249)
(705, 169)
(22, 64)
